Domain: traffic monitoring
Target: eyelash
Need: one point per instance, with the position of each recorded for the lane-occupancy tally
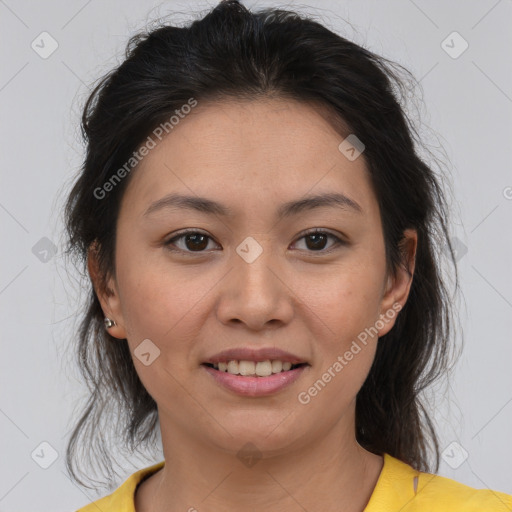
(338, 241)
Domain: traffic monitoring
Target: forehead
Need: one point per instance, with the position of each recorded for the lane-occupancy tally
(280, 147)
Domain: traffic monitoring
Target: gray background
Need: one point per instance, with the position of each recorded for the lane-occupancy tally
(468, 103)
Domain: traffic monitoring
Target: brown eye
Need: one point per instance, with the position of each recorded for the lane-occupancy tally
(317, 240)
(192, 241)
(196, 241)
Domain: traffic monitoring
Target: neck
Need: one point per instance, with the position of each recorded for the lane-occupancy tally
(334, 472)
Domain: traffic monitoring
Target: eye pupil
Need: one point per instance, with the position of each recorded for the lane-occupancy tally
(195, 238)
(316, 237)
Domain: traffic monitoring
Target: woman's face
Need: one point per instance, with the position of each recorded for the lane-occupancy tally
(255, 279)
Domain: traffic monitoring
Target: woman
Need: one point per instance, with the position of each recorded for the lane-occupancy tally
(261, 238)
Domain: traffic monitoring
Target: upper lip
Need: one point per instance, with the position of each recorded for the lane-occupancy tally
(256, 355)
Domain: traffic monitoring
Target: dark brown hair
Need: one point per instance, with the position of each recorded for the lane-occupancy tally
(232, 53)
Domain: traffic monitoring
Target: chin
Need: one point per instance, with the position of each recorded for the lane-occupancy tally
(269, 438)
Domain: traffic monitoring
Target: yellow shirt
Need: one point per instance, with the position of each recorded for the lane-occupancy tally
(394, 492)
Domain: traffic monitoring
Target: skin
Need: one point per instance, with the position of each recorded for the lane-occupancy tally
(253, 156)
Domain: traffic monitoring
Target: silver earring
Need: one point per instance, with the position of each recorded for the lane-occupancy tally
(109, 323)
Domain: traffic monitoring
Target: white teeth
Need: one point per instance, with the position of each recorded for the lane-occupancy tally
(277, 366)
(246, 367)
(261, 368)
(232, 367)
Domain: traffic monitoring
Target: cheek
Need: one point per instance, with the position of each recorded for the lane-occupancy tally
(155, 294)
(342, 308)
(345, 343)
(161, 307)
(344, 301)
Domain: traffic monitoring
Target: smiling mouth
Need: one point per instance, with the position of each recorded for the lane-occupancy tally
(253, 369)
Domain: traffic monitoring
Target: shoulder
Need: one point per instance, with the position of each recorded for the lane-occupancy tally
(123, 497)
(401, 487)
(455, 496)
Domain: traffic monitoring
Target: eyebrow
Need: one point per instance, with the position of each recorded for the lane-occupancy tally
(205, 205)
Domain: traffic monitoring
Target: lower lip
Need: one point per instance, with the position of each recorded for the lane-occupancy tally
(255, 386)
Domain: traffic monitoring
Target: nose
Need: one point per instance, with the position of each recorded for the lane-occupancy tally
(255, 292)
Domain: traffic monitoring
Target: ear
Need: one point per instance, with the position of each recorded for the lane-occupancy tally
(106, 291)
(398, 286)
